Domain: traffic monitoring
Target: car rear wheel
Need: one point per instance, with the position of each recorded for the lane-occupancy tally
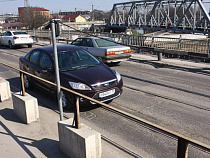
(10, 45)
(29, 45)
(27, 83)
(68, 100)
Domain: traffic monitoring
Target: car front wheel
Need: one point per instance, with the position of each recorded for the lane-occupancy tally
(27, 83)
(68, 100)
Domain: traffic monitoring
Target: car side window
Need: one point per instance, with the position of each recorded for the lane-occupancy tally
(45, 61)
(34, 57)
(89, 43)
(77, 42)
(8, 34)
(27, 56)
(84, 42)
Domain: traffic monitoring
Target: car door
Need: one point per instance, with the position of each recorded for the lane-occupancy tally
(87, 44)
(46, 71)
(31, 64)
(94, 50)
(3, 38)
(8, 37)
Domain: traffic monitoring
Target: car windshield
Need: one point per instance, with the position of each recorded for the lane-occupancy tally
(20, 33)
(105, 42)
(76, 59)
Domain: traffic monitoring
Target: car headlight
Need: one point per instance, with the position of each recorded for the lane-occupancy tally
(118, 76)
(79, 86)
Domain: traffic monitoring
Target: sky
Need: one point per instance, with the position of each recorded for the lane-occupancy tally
(11, 6)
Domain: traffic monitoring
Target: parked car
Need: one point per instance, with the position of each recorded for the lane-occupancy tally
(79, 71)
(16, 38)
(104, 48)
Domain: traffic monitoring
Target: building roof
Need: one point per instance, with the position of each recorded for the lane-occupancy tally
(39, 9)
(35, 8)
(73, 16)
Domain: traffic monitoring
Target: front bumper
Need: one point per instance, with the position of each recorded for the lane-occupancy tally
(96, 94)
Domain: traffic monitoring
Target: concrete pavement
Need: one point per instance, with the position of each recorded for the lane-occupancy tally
(39, 138)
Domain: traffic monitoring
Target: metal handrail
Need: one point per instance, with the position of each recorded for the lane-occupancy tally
(183, 141)
(200, 46)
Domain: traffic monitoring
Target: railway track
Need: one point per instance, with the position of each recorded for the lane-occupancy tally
(132, 119)
(21, 51)
(167, 97)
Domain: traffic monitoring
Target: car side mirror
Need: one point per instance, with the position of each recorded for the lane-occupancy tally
(99, 58)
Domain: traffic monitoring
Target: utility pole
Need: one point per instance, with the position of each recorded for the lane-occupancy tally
(53, 31)
(92, 13)
(26, 3)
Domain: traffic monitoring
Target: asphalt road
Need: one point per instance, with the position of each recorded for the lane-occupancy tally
(174, 97)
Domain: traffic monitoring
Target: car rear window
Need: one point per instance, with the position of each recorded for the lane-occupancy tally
(105, 43)
(20, 33)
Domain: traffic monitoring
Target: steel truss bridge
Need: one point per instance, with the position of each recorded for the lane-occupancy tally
(188, 16)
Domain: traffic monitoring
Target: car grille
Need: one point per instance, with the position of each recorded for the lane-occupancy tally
(105, 84)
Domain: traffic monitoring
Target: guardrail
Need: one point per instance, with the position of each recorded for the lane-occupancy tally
(196, 46)
(183, 141)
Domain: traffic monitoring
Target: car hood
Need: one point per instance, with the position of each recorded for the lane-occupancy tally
(89, 76)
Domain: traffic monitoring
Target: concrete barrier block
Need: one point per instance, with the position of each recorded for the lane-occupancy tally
(25, 107)
(79, 143)
(5, 92)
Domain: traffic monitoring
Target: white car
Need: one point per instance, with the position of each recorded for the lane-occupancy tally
(105, 48)
(16, 38)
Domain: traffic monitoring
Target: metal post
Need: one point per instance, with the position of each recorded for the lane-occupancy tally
(160, 56)
(208, 49)
(182, 149)
(57, 70)
(22, 84)
(180, 42)
(152, 45)
(77, 115)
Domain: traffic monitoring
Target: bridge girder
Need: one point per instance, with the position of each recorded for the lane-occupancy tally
(189, 16)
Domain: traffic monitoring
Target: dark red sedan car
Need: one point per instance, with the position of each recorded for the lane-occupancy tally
(79, 71)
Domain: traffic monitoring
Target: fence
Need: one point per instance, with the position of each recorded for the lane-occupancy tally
(199, 46)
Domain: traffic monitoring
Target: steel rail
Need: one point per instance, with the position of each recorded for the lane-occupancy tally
(169, 98)
(154, 94)
(124, 149)
(128, 151)
(183, 141)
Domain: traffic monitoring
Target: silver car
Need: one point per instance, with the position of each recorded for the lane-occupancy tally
(105, 48)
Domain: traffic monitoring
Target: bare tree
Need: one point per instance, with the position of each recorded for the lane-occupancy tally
(33, 18)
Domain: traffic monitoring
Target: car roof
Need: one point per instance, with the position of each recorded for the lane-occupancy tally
(60, 48)
(17, 31)
(93, 37)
